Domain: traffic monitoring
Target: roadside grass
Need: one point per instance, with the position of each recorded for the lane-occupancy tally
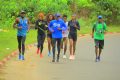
(8, 41)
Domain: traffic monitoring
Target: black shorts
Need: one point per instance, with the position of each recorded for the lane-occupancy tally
(49, 36)
(73, 36)
(99, 43)
(21, 39)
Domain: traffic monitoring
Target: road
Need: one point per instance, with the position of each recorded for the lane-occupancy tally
(83, 67)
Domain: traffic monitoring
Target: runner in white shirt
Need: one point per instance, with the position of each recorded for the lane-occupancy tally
(65, 37)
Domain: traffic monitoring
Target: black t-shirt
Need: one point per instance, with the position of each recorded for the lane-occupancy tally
(41, 25)
(71, 25)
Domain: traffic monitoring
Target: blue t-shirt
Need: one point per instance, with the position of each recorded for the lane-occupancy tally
(53, 27)
(24, 24)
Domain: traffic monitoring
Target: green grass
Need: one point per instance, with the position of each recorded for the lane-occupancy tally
(9, 39)
(113, 28)
(88, 29)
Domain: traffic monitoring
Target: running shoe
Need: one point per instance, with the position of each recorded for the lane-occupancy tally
(38, 50)
(41, 56)
(57, 60)
(22, 57)
(99, 58)
(70, 57)
(53, 60)
(64, 56)
(73, 57)
(19, 56)
(49, 53)
(96, 60)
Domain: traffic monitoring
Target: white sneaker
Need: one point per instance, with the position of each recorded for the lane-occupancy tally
(73, 57)
(70, 57)
(64, 56)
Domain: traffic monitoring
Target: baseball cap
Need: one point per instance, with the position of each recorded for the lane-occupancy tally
(57, 15)
(100, 17)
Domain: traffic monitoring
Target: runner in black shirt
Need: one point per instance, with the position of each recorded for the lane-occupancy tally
(41, 26)
(73, 27)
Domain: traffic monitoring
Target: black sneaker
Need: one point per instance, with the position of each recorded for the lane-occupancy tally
(99, 58)
(96, 60)
(53, 60)
(57, 60)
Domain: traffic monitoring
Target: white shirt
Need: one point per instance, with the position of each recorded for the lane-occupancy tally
(66, 32)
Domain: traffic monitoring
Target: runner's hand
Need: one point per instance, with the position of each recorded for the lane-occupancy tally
(19, 28)
(105, 32)
(63, 32)
(46, 26)
(92, 35)
(59, 28)
(75, 26)
(52, 31)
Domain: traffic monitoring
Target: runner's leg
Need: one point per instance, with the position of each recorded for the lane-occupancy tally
(39, 42)
(23, 44)
(71, 46)
(53, 49)
(101, 45)
(19, 38)
(74, 47)
(42, 42)
(58, 47)
(65, 45)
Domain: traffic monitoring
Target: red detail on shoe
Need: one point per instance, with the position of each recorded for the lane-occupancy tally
(38, 50)
(41, 56)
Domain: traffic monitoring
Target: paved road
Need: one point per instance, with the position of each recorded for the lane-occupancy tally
(82, 68)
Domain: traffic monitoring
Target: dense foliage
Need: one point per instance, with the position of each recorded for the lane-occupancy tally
(87, 9)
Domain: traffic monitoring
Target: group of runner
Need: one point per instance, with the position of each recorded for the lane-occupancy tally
(58, 30)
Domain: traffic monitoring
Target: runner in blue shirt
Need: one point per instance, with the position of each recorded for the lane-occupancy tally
(56, 27)
(22, 25)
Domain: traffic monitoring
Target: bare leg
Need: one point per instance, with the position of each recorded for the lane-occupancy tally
(65, 45)
(49, 44)
(71, 46)
(96, 52)
(74, 47)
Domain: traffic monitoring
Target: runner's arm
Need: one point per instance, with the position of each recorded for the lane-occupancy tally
(15, 24)
(46, 25)
(93, 29)
(77, 26)
(64, 27)
(50, 27)
(105, 28)
(69, 26)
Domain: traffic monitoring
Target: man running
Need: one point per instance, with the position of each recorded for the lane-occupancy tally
(98, 31)
(73, 25)
(22, 25)
(41, 26)
(56, 27)
(65, 37)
